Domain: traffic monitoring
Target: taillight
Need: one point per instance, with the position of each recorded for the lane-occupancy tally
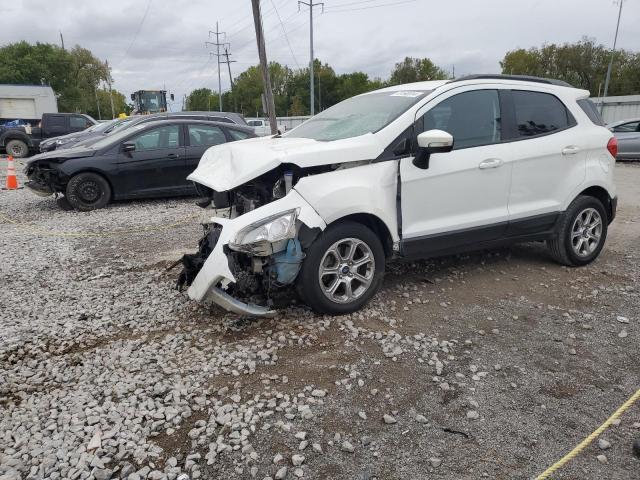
(612, 146)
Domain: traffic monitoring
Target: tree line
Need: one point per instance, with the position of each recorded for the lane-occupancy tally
(582, 64)
(76, 76)
(291, 87)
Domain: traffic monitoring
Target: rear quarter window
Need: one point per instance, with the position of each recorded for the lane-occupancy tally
(591, 110)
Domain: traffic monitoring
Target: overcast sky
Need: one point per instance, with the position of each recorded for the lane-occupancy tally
(153, 44)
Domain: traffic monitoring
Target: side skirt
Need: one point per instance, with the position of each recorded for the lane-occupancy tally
(536, 228)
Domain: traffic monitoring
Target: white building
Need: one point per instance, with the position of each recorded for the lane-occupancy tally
(26, 102)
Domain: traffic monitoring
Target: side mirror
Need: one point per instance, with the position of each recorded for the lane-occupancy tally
(133, 97)
(436, 141)
(172, 97)
(128, 147)
(432, 141)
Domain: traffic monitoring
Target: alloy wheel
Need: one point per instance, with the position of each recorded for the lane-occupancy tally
(346, 270)
(586, 232)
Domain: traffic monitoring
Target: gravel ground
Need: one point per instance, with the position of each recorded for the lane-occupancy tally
(488, 365)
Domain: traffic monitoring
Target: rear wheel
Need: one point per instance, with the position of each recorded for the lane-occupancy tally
(17, 149)
(88, 191)
(343, 269)
(582, 233)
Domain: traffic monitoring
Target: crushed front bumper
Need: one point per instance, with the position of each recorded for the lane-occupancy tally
(39, 188)
(215, 276)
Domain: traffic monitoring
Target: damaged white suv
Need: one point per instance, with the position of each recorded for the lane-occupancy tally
(415, 170)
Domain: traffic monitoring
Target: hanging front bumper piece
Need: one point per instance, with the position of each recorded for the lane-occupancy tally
(218, 272)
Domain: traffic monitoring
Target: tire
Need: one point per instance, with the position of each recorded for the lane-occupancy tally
(17, 149)
(88, 191)
(581, 234)
(316, 275)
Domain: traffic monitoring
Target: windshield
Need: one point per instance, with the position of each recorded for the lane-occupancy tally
(115, 137)
(152, 102)
(357, 115)
(117, 124)
(102, 127)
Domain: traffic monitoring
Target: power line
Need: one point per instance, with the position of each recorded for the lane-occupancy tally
(338, 9)
(135, 36)
(340, 5)
(285, 34)
(244, 26)
(250, 41)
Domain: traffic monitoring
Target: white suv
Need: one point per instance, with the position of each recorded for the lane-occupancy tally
(415, 170)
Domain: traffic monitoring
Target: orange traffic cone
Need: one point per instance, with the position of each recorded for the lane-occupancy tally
(12, 180)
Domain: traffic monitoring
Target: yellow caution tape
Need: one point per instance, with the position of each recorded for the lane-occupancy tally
(40, 231)
(587, 441)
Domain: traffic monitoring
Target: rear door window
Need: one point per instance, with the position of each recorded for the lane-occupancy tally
(539, 113)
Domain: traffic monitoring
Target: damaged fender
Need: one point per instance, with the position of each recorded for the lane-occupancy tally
(215, 275)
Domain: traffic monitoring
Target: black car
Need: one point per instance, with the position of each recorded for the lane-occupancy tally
(151, 159)
(72, 139)
(88, 138)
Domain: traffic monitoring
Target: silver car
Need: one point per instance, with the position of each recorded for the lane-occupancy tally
(628, 134)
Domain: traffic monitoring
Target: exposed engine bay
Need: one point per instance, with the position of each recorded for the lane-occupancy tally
(266, 264)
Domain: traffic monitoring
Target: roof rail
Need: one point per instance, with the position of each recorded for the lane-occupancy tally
(522, 78)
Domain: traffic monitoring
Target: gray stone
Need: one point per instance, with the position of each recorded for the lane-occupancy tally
(347, 447)
(388, 419)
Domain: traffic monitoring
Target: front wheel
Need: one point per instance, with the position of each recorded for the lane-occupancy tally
(581, 234)
(88, 191)
(343, 269)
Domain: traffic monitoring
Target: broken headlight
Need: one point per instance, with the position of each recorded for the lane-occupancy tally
(269, 230)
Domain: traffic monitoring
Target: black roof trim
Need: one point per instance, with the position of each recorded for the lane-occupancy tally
(522, 78)
(181, 121)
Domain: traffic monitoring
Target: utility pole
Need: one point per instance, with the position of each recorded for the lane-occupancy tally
(319, 94)
(62, 40)
(311, 5)
(113, 112)
(217, 44)
(229, 62)
(95, 90)
(613, 53)
(266, 80)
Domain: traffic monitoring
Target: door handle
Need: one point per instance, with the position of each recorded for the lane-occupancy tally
(490, 163)
(173, 155)
(570, 150)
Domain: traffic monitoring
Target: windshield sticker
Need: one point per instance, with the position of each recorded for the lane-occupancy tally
(406, 94)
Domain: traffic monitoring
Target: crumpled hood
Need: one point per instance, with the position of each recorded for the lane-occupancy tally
(62, 155)
(229, 165)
